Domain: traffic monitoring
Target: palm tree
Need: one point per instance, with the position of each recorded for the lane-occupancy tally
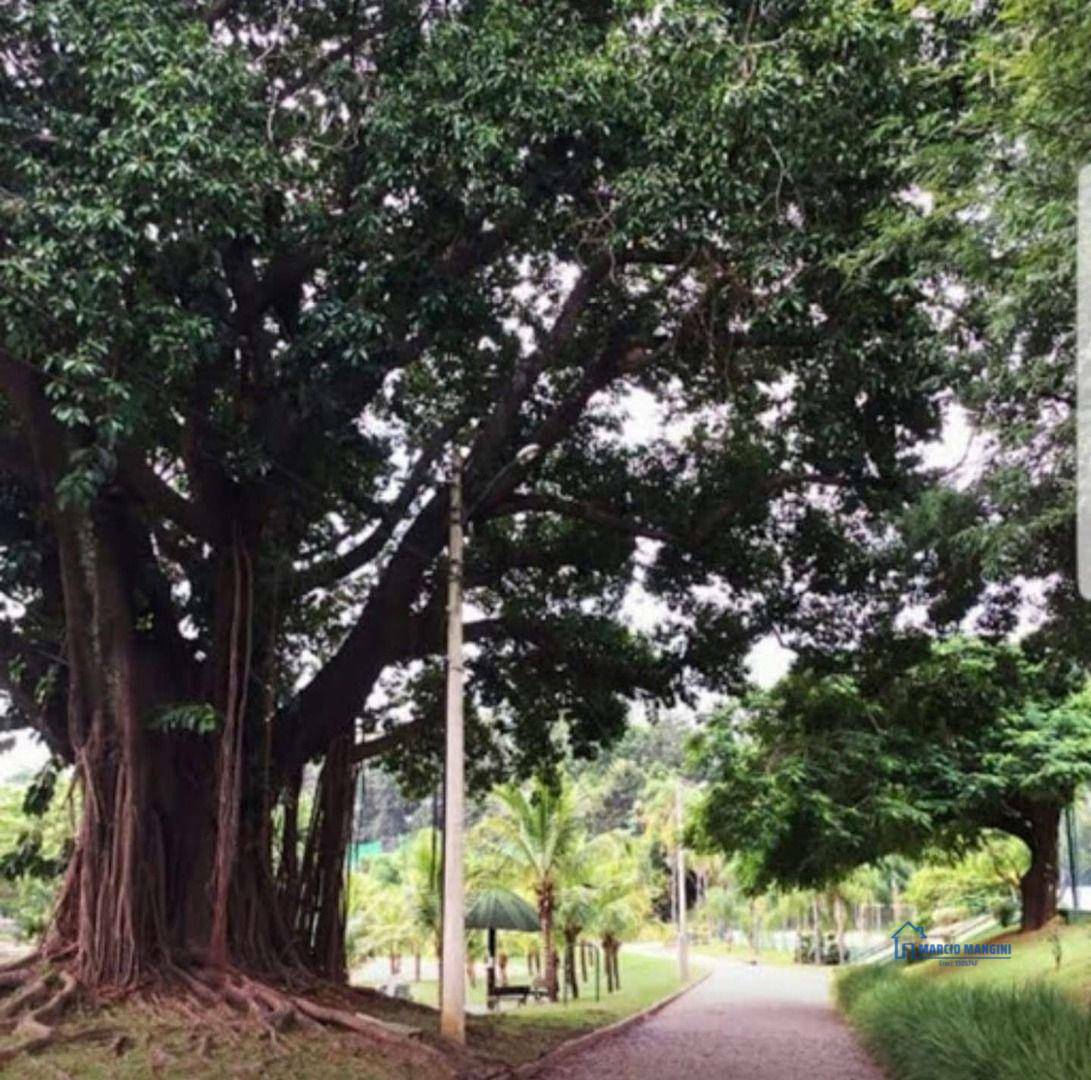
(420, 870)
(537, 835)
(718, 911)
(382, 924)
(620, 898)
(656, 815)
(575, 911)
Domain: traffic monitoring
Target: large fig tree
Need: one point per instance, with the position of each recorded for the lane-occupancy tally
(264, 264)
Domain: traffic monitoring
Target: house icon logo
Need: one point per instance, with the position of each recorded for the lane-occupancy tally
(908, 939)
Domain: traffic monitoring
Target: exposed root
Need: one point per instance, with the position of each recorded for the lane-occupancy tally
(36, 1029)
(33, 992)
(350, 1021)
(276, 1010)
(121, 1045)
(20, 964)
(225, 1005)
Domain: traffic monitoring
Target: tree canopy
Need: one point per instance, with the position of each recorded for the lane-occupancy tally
(992, 237)
(827, 772)
(264, 267)
(261, 274)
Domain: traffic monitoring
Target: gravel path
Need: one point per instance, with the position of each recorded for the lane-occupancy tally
(744, 1023)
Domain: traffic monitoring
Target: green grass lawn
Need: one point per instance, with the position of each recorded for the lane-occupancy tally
(426, 991)
(1014, 1019)
(524, 1034)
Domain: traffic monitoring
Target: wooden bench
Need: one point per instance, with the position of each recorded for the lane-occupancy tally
(520, 992)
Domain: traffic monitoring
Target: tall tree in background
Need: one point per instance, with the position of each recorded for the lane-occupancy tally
(828, 772)
(261, 265)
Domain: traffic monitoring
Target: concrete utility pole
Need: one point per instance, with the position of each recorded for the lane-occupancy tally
(452, 1018)
(680, 881)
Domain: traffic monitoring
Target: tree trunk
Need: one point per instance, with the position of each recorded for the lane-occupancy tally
(839, 923)
(172, 864)
(607, 965)
(570, 936)
(1038, 886)
(155, 875)
(490, 970)
(545, 921)
(416, 965)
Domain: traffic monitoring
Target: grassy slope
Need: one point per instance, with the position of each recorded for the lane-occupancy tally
(165, 1043)
(1032, 960)
(1017, 1019)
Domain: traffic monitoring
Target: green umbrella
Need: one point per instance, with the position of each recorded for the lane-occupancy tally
(498, 909)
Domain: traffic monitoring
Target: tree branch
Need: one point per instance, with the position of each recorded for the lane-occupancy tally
(333, 570)
(383, 744)
(334, 697)
(148, 486)
(581, 510)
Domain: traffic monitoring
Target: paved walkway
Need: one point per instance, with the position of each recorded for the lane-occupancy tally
(744, 1023)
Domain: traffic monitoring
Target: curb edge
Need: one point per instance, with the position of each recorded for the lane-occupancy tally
(589, 1038)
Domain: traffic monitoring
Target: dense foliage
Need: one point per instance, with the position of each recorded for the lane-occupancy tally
(263, 266)
(946, 1029)
(992, 235)
(825, 773)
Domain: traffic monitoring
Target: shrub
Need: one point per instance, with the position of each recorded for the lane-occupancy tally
(1005, 911)
(853, 982)
(925, 1029)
